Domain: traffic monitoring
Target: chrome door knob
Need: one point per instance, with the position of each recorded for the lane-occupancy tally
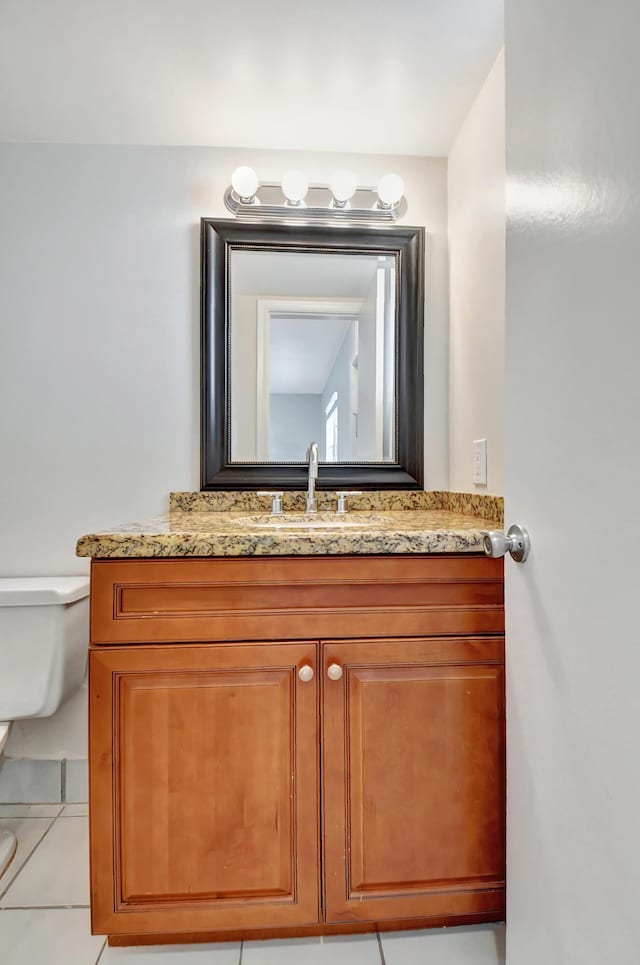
(334, 671)
(516, 542)
(305, 673)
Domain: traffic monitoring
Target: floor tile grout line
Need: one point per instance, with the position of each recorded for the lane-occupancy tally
(28, 859)
(42, 907)
(30, 817)
(63, 781)
(101, 952)
(380, 948)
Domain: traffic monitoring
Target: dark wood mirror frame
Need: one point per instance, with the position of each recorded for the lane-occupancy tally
(218, 238)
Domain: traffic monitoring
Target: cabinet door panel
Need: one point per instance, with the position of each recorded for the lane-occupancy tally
(413, 779)
(213, 815)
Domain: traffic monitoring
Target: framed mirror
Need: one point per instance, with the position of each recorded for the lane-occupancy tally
(311, 333)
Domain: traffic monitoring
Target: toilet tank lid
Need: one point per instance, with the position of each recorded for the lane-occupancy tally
(42, 590)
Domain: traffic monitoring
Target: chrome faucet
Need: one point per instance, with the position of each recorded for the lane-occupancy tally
(312, 458)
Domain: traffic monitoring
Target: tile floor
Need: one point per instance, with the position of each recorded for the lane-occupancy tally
(44, 915)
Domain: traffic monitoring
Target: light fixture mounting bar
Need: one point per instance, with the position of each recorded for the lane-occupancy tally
(270, 204)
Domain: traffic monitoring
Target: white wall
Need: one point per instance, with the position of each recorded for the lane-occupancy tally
(572, 474)
(99, 337)
(99, 368)
(295, 420)
(476, 187)
(244, 393)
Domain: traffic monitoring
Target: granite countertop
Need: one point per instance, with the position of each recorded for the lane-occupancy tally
(219, 524)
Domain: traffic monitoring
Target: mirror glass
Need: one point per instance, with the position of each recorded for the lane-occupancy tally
(312, 342)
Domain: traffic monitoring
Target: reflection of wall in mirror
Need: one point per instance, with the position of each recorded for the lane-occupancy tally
(243, 368)
(295, 420)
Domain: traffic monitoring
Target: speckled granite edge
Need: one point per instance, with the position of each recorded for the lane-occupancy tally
(129, 545)
(471, 504)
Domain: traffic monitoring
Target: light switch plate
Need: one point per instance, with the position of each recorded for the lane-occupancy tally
(480, 462)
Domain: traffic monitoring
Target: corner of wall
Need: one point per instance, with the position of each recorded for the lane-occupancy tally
(476, 180)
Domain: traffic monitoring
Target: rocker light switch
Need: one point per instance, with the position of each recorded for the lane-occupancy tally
(480, 462)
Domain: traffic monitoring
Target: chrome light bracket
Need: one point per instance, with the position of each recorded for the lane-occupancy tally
(318, 207)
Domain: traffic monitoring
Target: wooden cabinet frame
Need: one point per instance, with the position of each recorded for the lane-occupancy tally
(321, 873)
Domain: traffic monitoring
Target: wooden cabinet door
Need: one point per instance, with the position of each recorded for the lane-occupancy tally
(413, 757)
(204, 787)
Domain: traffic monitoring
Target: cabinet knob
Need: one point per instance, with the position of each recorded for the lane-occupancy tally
(305, 673)
(334, 671)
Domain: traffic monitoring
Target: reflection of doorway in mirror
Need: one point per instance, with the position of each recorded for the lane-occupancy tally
(386, 307)
(331, 428)
(304, 349)
(312, 353)
(353, 397)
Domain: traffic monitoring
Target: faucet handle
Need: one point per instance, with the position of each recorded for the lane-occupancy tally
(276, 505)
(342, 499)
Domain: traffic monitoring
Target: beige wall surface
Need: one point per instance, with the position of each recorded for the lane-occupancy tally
(99, 368)
(99, 363)
(476, 208)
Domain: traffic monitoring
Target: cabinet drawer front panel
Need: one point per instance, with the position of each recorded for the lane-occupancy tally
(244, 599)
(418, 746)
(214, 819)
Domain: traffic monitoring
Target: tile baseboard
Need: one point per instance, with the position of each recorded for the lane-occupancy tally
(76, 782)
(34, 781)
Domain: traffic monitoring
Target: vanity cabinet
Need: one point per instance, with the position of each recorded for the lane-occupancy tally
(295, 746)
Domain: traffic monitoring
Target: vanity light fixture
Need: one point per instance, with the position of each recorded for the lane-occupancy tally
(343, 186)
(294, 187)
(295, 200)
(390, 190)
(244, 182)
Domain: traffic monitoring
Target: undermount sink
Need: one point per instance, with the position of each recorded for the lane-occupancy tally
(311, 521)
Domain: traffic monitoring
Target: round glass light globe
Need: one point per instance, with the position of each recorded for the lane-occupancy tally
(343, 185)
(390, 189)
(244, 182)
(294, 186)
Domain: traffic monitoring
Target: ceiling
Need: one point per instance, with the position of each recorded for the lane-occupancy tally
(361, 76)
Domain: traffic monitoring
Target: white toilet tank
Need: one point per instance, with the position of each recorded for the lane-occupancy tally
(44, 633)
